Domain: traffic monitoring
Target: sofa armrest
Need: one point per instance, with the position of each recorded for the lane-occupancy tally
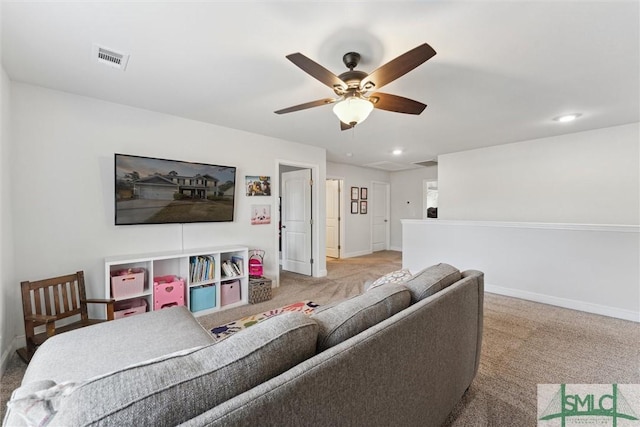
(479, 275)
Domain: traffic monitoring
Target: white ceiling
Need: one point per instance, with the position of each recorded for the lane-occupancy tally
(502, 71)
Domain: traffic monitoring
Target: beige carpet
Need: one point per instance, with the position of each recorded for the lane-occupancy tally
(524, 343)
(345, 278)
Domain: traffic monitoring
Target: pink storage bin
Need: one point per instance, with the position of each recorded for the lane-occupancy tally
(229, 292)
(168, 291)
(130, 308)
(127, 282)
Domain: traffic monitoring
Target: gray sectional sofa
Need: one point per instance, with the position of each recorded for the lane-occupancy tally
(398, 354)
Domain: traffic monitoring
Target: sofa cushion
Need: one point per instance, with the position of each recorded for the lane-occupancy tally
(109, 346)
(350, 317)
(175, 388)
(431, 280)
(398, 276)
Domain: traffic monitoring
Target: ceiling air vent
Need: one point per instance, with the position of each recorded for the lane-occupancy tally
(389, 166)
(110, 57)
(427, 163)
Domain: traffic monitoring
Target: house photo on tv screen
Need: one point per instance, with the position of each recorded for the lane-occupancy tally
(160, 191)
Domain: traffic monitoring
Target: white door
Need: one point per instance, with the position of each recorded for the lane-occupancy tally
(379, 200)
(296, 221)
(333, 218)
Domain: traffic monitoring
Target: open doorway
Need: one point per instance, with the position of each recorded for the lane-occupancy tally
(430, 199)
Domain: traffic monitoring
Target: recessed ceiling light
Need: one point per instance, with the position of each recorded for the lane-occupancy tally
(567, 117)
(349, 154)
(397, 152)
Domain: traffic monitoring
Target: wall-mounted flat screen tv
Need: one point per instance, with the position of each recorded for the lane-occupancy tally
(160, 191)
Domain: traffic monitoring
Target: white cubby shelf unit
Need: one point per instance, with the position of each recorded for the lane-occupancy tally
(181, 263)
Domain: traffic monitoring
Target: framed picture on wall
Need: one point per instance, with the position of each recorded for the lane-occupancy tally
(260, 214)
(363, 193)
(354, 207)
(354, 193)
(258, 185)
(363, 206)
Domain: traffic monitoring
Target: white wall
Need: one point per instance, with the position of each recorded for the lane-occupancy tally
(9, 286)
(592, 268)
(587, 177)
(62, 174)
(517, 212)
(357, 227)
(407, 198)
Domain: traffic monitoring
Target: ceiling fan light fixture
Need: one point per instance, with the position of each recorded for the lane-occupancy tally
(353, 105)
(353, 110)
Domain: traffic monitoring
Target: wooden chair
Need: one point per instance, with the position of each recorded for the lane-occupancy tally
(46, 302)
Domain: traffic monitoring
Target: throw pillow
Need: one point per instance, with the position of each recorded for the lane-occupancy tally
(397, 276)
(178, 387)
(350, 317)
(431, 280)
(39, 408)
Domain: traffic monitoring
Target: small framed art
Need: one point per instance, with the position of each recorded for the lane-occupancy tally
(260, 214)
(258, 185)
(363, 193)
(354, 193)
(363, 206)
(354, 207)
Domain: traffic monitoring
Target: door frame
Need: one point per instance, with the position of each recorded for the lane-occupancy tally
(387, 213)
(341, 221)
(319, 266)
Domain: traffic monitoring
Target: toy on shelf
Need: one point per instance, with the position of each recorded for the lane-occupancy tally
(256, 259)
(167, 292)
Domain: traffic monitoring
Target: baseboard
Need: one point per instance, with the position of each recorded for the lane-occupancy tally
(355, 254)
(588, 307)
(17, 342)
(5, 359)
(396, 248)
(362, 253)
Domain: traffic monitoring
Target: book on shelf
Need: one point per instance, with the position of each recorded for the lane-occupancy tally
(238, 262)
(236, 269)
(202, 268)
(228, 269)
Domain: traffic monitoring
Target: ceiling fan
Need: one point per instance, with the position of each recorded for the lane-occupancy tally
(354, 103)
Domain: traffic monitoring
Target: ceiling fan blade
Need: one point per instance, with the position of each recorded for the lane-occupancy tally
(398, 67)
(306, 105)
(317, 71)
(395, 103)
(344, 126)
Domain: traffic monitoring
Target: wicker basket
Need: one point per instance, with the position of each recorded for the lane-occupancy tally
(259, 290)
